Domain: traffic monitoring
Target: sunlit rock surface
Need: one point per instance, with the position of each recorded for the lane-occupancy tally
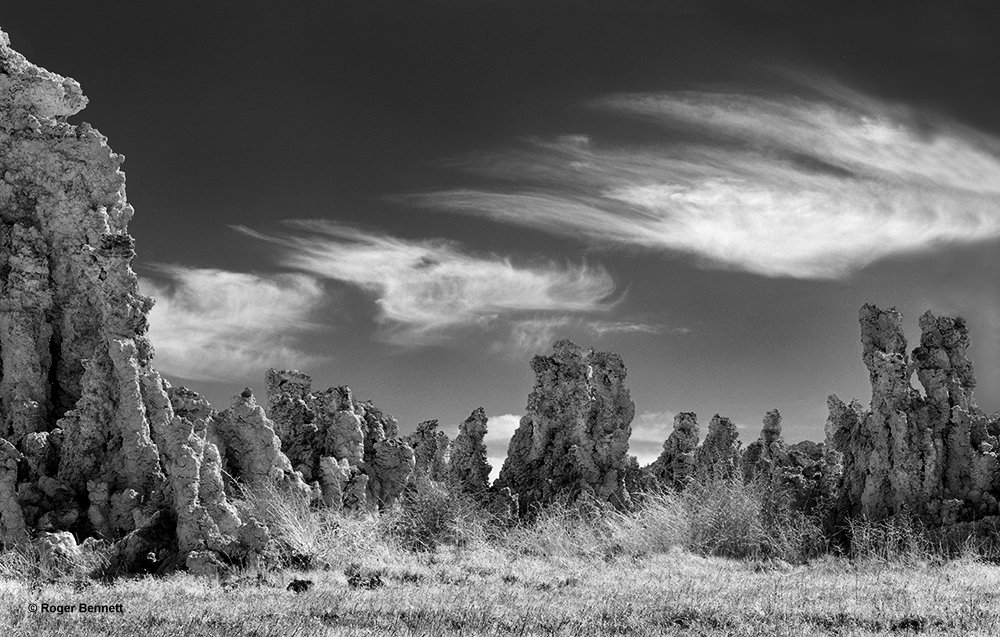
(930, 453)
(332, 424)
(574, 438)
(81, 407)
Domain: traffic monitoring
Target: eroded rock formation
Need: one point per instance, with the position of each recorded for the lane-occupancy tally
(718, 458)
(90, 442)
(431, 451)
(249, 445)
(933, 455)
(767, 455)
(675, 466)
(804, 475)
(468, 469)
(574, 437)
(319, 431)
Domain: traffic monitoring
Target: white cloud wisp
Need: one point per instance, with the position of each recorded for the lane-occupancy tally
(780, 187)
(216, 325)
(424, 289)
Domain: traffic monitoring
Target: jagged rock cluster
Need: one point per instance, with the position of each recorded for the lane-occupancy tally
(574, 437)
(90, 441)
(806, 472)
(803, 475)
(683, 460)
(245, 438)
(94, 443)
(431, 451)
(932, 454)
(675, 465)
(349, 447)
(767, 454)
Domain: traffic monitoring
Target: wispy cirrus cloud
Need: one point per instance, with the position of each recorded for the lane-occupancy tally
(778, 186)
(217, 325)
(535, 335)
(425, 289)
(626, 327)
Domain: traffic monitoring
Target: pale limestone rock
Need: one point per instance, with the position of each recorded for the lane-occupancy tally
(333, 476)
(57, 552)
(79, 399)
(574, 438)
(675, 466)
(931, 454)
(345, 437)
(252, 450)
(468, 468)
(189, 404)
(334, 425)
(343, 485)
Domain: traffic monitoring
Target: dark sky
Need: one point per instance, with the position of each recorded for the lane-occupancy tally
(712, 190)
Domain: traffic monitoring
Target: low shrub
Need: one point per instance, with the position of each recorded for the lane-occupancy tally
(430, 514)
(726, 518)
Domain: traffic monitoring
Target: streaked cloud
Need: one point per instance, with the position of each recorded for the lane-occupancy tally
(217, 325)
(533, 335)
(426, 289)
(536, 335)
(780, 186)
(625, 327)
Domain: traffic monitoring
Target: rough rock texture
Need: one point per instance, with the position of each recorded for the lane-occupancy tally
(804, 475)
(343, 485)
(431, 451)
(767, 455)
(57, 551)
(205, 563)
(574, 437)
(332, 424)
(87, 431)
(388, 468)
(934, 454)
(718, 458)
(12, 526)
(468, 468)
(675, 466)
(251, 449)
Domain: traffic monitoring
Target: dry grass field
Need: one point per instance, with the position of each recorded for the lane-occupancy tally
(486, 592)
(679, 566)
